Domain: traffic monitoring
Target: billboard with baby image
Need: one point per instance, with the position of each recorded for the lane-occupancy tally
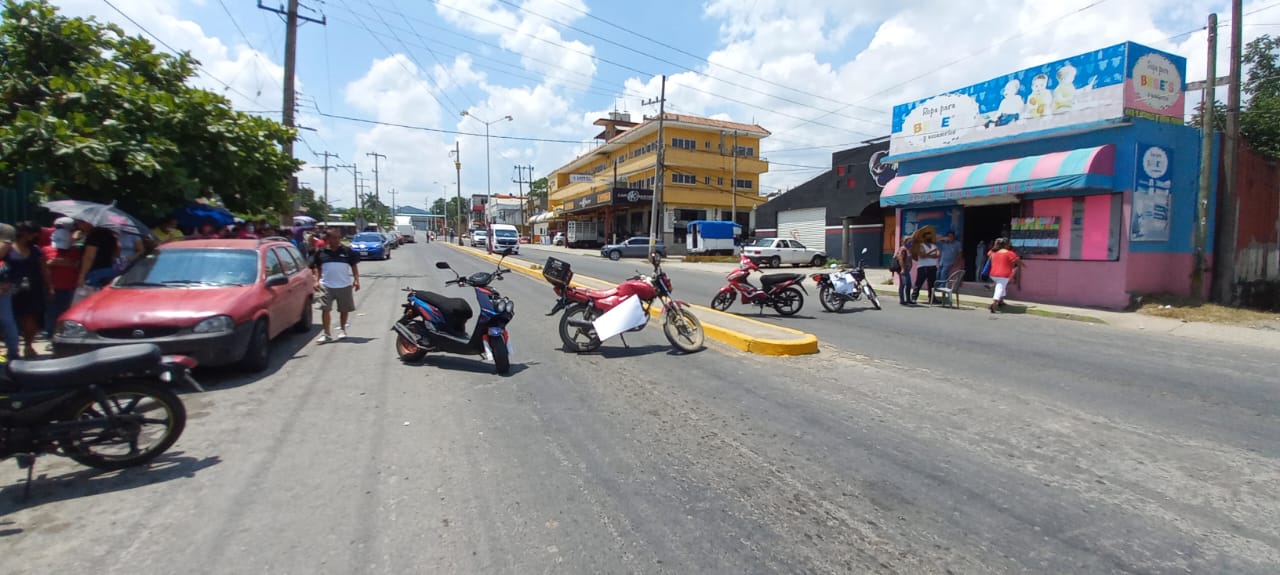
(1100, 85)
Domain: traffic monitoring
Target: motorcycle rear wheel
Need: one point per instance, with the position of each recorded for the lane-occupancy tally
(723, 301)
(93, 446)
(407, 350)
(576, 339)
(830, 300)
(789, 302)
(683, 330)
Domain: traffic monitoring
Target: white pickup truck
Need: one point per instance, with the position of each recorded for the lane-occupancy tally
(774, 252)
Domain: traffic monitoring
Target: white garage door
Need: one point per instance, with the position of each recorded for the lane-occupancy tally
(808, 225)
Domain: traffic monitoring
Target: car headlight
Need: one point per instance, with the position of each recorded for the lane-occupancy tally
(215, 324)
(71, 329)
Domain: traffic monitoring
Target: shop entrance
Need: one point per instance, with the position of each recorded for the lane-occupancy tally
(984, 224)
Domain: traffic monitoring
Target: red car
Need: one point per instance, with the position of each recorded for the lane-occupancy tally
(219, 301)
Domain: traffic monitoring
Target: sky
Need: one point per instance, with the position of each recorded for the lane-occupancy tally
(822, 75)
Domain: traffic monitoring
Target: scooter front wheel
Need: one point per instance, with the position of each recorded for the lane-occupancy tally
(871, 295)
(576, 338)
(723, 301)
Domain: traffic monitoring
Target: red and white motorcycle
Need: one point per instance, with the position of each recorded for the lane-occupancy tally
(779, 291)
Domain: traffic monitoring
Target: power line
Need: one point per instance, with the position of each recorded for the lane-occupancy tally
(1226, 21)
(447, 72)
(704, 74)
(416, 77)
(256, 53)
(443, 131)
(195, 64)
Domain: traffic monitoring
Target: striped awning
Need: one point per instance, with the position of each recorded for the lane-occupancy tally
(1086, 168)
(546, 217)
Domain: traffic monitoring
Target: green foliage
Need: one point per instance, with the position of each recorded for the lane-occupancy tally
(1260, 119)
(103, 116)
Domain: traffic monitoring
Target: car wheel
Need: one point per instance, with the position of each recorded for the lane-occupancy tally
(387, 255)
(305, 322)
(775, 262)
(258, 355)
(615, 255)
(818, 261)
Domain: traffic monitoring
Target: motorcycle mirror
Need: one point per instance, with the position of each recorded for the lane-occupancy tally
(864, 250)
(442, 265)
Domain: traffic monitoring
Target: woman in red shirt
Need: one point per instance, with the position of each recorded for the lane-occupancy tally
(1003, 263)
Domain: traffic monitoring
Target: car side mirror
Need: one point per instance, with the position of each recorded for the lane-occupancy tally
(277, 281)
(442, 265)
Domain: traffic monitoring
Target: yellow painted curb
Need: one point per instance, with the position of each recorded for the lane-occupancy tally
(804, 344)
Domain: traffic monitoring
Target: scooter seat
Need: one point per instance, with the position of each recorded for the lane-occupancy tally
(86, 368)
(456, 310)
(770, 280)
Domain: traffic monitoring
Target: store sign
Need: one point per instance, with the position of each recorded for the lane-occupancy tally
(632, 196)
(583, 202)
(1106, 84)
(581, 178)
(1152, 195)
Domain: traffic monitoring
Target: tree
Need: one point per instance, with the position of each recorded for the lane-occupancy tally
(313, 204)
(538, 193)
(1260, 119)
(439, 206)
(1219, 116)
(103, 116)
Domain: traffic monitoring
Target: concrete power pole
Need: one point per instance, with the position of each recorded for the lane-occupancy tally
(661, 168)
(1201, 236)
(457, 165)
(326, 169)
(375, 155)
(290, 70)
(1224, 253)
(520, 182)
(734, 188)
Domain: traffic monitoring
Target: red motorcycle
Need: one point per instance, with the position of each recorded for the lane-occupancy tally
(582, 306)
(779, 291)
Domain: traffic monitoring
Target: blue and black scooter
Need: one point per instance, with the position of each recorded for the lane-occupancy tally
(434, 322)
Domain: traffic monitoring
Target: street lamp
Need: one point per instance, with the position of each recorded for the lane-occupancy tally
(488, 188)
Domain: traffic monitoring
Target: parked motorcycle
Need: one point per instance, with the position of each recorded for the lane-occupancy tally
(779, 291)
(837, 288)
(108, 409)
(583, 306)
(435, 322)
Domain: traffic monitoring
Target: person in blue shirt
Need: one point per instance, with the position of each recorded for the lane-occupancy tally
(950, 254)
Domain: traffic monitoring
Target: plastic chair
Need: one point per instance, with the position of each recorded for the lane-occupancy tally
(950, 289)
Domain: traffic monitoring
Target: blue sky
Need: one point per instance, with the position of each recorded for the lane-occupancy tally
(786, 64)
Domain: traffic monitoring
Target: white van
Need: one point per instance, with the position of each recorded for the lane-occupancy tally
(502, 236)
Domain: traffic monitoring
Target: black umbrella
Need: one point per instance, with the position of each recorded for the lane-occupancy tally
(100, 215)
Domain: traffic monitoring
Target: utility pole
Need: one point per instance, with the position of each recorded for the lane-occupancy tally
(520, 182)
(1206, 162)
(661, 167)
(393, 207)
(457, 165)
(326, 169)
(1224, 253)
(375, 155)
(290, 70)
(734, 188)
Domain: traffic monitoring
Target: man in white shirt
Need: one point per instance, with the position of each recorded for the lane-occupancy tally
(337, 279)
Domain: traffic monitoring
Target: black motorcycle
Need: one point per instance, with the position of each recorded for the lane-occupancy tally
(434, 322)
(837, 288)
(108, 409)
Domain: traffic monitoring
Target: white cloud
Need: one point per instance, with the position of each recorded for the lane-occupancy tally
(534, 38)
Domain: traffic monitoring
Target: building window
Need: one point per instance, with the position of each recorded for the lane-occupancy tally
(706, 180)
(839, 170)
(745, 151)
(684, 143)
(684, 179)
(719, 181)
(744, 184)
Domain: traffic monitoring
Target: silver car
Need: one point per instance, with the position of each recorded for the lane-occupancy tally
(632, 248)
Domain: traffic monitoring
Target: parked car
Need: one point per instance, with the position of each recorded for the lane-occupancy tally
(633, 248)
(774, 252)
(479, 238)
(393, 239)
(504, 236)
(558, 240)
(408, 235)
(219, 301)
(370, 246)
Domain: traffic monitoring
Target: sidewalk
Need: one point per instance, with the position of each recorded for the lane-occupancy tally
(974, 295)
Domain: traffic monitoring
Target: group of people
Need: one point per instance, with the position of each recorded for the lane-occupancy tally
(43, 270)
(942, 259)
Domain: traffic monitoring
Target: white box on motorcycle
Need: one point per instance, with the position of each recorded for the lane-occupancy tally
(557, 272)
(843, 282)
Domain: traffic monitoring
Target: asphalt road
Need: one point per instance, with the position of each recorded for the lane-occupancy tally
(922, 441)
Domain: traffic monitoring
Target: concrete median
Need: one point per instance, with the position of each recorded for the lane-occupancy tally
(739, 332)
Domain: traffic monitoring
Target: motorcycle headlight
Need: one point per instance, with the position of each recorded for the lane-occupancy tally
(71, 329)
(215, 324)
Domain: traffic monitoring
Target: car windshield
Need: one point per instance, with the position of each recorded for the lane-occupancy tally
(504, 233)
(367, 238)
(176, 267)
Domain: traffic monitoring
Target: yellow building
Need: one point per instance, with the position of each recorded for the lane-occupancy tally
(613, 184)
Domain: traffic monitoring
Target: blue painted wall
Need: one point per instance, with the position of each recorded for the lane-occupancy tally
(1183, 141)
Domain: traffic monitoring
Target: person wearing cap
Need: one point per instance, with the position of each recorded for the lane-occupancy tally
(63, 258)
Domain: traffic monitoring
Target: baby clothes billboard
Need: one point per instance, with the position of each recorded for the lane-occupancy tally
(1152, 195)
(1096, 86)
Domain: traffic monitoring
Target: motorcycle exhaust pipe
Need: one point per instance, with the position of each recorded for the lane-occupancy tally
(581, 324)
(404, 330)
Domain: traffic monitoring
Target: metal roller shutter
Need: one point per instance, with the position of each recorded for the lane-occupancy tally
(809, 226)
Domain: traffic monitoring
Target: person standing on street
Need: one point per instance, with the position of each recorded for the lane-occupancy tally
(63, 258)
(950, 254)
(337, 279)
(904, 271)
(1003, 263)
(927, 259)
